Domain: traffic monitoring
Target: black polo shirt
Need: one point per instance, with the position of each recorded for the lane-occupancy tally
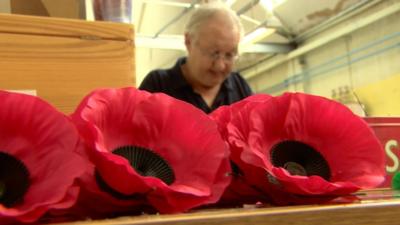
(172, 82)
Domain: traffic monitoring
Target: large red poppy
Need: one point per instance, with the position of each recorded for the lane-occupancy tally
(38, 166)
(122, 125)
(239, 191)
(307, 146)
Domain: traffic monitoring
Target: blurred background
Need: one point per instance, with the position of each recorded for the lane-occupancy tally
(347, 50)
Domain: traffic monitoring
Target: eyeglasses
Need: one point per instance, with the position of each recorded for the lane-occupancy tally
(228, 57)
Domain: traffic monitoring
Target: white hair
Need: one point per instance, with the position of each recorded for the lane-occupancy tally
(206, 11)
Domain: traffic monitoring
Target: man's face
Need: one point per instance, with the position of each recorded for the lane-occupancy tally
(212, 52)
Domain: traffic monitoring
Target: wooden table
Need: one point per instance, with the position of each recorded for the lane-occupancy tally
(381, 206)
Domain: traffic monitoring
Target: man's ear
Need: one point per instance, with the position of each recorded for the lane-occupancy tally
(188, 41)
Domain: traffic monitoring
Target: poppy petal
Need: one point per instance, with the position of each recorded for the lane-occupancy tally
(44, 140)
(329, 128)
(239, 191)
(183, 136)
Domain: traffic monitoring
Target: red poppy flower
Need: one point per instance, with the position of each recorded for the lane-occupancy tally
(38, 165)
(239, 191)
(156, 146)
(307, 146)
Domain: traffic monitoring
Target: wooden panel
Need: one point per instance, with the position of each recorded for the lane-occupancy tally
(34, 7)
(375, 209)
(20, 24)
(64, 8)
(63, 69)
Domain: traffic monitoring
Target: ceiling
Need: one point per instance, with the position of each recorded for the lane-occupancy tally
(159, 25)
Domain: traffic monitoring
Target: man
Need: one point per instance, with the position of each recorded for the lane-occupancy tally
(205, 78)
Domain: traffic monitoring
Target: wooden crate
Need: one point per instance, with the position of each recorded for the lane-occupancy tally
(64, 59)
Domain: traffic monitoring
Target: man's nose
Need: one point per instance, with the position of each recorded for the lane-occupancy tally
(220, 64)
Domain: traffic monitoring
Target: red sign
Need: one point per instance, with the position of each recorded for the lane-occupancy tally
(387, 129)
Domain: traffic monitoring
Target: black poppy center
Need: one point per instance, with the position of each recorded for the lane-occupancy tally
(14, 180)
(236, 171)
(147, 163)
(300, 159)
